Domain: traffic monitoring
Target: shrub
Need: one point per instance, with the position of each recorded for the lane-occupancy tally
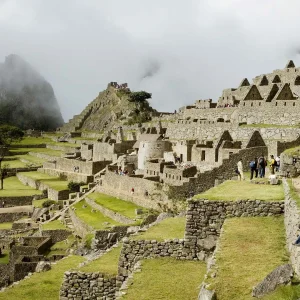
(139, 96)
(48, 203)
(75, 186)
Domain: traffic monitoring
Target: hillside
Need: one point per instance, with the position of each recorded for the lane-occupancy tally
(110, 108)
(26, 98)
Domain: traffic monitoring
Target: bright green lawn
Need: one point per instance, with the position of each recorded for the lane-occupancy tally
(250, 248)
(93, 219)
(232, 190)
(171, 228)
(61, 247)
(12, 164)
(4, 258)
(51, 181)
(107, 264)
(122, 207)
(38, 203)
(291, 292)
(32, 159)
(56, 224)
(13, 187)
(167, 279)
(5, 225)
(33, 141)
(47, 151)
(42, 286)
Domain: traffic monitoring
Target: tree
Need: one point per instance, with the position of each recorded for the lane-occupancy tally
(8, 135)
(139, 96)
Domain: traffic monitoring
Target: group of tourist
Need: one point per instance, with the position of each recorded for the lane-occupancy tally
(121, 172)
(258, 167)
(227, 105)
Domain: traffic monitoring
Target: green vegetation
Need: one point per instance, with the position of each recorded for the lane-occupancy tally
(94, 219)
(53, 182)
(171, 228)
(45, 285)
(139, 96)
(250, 248)
(48, 203)
(293, 151)
(122, 207)
(290, 292)
(167, 278)
(60, 248)
(38, 203)
(5, 225)
(13, 187)
(293, 192)
(46, 151)
(4, 257)
(14, 164)
(31, 159)
(269, 126)
(33, 141)
(107, 263)
(53, 225)
(232, 190)
(75, 186)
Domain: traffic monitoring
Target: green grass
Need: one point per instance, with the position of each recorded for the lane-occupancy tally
(5, 225)
(33, 141)
(4, 257)
(293, 151)
(233, 190)
(269, 126)
(38, 203)
(32, 159)
(122, 207)
(106, 264)
(290, 292)
(250, 248)
(13, 187)
(54, 182)
(53, 225)
(46, 151)
(13, 164)
(61, 247)
(45, 285)
(167, 279)
(93, 219)
(171, 228)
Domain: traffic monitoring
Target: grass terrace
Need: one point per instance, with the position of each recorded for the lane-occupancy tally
(53, 182)
(13, 187)
(33, 141)
(107, 263)
(171, 228)
(61, 247)
(46, 151)
(94, 219)
(4, 257)
(122, 207)
(53, 225)
(5, 225)
(233, 190)
(167, 278)
(250, 248)
(45, 285)
(14, 164)
(293, 151)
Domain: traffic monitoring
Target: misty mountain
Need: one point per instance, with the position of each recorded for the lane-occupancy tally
(27, 100)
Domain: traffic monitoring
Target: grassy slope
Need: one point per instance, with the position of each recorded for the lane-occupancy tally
(107, 264)
(51, 181)
(93, 219)
(243, 190)
(122, 207)
(13, 187)
(42, 285)
(167, 278)
(5, 225)
(250, 248)
(56, 224)
(171, 228)
(37, 150)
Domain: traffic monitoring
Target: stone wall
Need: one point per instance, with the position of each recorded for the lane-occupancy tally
(11, 217)
(205, 218)
(16, 201)
(57, 235)
(292, 230)
(92, 286)
(20, 270)
(104, 239)
(4, 275)
(290, 164)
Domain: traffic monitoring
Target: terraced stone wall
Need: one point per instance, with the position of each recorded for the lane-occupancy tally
(16, 201)
(93, 286)
(11, 217)
(57, 235)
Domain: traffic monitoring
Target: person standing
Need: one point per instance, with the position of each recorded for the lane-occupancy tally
(277, 163)
(254, 168)
(240, 170)
(272, 165)
(261, 166)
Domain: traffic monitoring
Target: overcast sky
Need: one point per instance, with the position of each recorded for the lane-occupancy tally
(179, 50)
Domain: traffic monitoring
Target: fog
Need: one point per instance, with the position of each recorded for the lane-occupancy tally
(180, 51)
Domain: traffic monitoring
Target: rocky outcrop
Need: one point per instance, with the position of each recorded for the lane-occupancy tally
(281, 275)
(27, 100)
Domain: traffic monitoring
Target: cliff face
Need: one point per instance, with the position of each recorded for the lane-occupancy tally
(111, 108)
(27, 100)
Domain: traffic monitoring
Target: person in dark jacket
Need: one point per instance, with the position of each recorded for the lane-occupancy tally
(254, 168)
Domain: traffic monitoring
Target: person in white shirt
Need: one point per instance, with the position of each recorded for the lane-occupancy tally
(240, 169)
